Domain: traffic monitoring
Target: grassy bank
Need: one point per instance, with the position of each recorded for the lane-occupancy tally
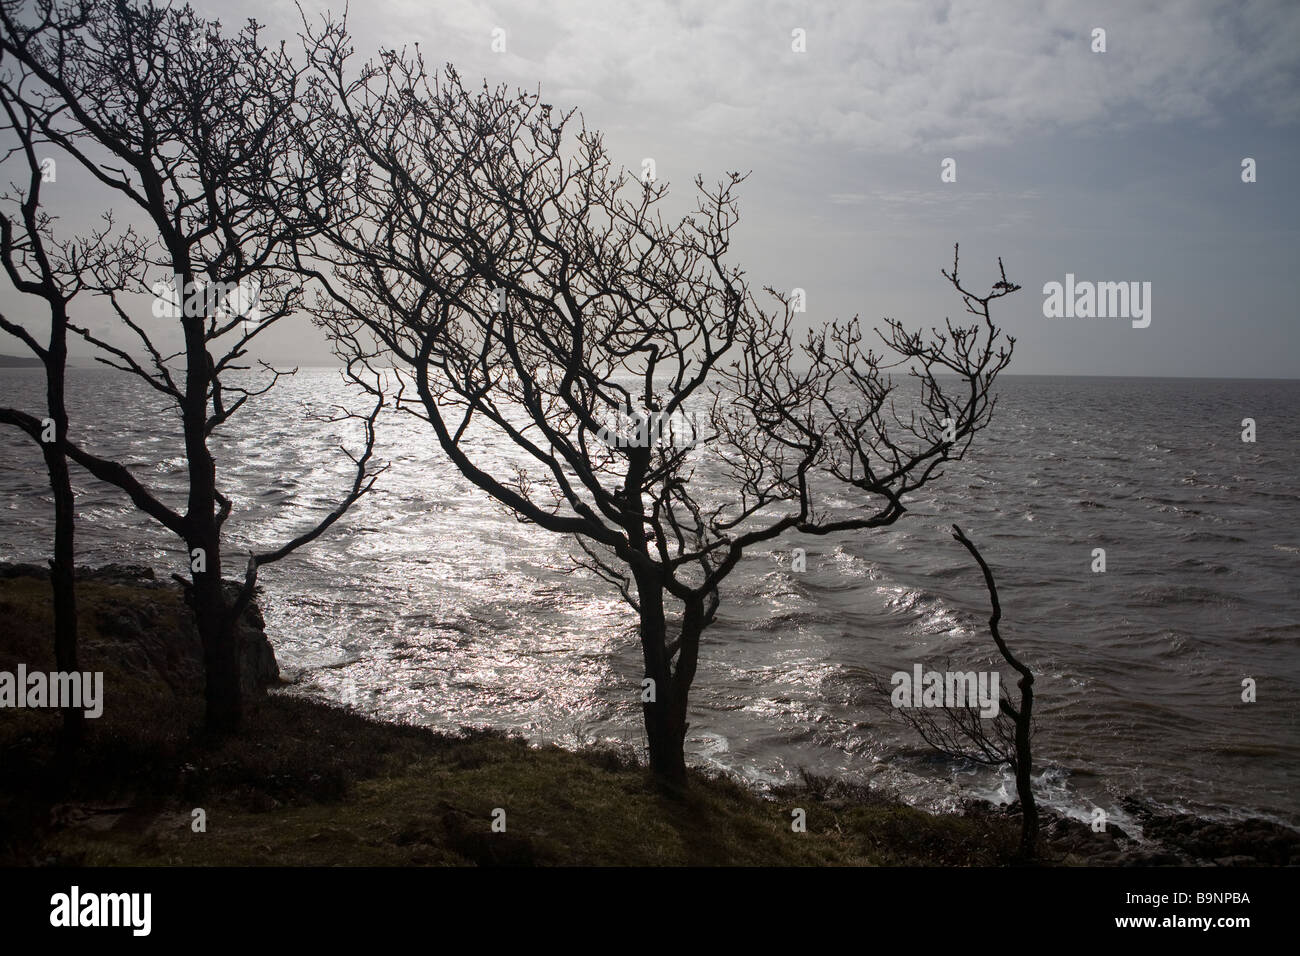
(310, 784)
(315, 785)
(307, 783)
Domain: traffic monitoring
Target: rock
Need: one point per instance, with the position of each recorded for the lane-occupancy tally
(119, 573)
(22, 571)
(260, 668)
(147, 630)
(1146, 857)
(1262, 842)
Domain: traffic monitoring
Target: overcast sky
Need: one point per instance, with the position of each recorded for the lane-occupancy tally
(1122, 166)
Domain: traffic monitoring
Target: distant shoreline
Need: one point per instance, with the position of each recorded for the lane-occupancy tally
(19, 361)
(78, 363)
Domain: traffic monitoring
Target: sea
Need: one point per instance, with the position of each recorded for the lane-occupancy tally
(430, 604)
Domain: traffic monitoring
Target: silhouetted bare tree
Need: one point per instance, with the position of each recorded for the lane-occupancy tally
(960, 732)
(527, 290)
(192, 132)
(56, 272)
(544, 300)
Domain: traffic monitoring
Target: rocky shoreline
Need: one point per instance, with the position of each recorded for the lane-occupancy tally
(144, 636)
(1168, 838)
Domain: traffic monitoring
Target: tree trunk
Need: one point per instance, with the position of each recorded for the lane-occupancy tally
(221, 663)
(667, 734)
(1024, 764)
(688, 650)
(211, 610)
(220, 658)
(665, 723)
(65, 596)
(62, 566)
